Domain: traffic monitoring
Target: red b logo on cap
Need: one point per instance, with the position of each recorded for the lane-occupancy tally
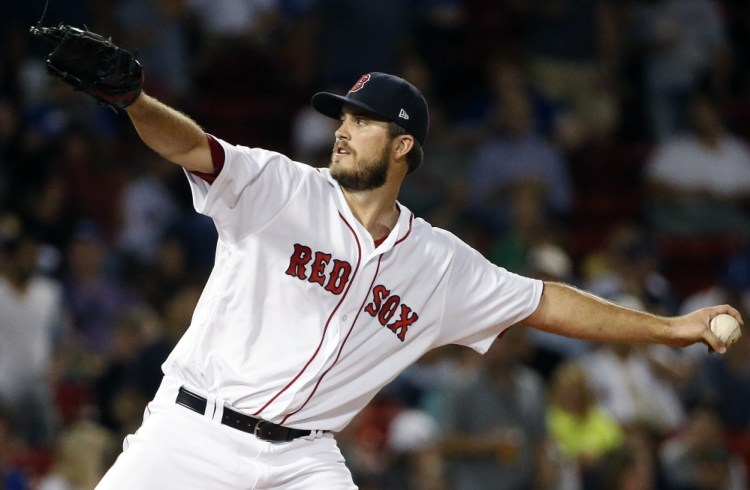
(360, 83)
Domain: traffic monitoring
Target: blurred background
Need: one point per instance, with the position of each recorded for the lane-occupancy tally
(601, 143)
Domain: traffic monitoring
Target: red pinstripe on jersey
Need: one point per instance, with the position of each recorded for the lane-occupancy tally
(328, 322)
(341, 348)
(351, 329)
(411, 220)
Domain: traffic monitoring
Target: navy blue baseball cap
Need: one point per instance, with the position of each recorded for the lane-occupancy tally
(387, 96)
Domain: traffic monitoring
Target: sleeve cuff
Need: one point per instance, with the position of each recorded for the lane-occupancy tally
(217, 158)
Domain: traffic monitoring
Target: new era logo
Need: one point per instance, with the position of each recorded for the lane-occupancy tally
(403, 115)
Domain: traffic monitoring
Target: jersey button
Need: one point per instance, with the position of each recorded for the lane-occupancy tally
(343, 318)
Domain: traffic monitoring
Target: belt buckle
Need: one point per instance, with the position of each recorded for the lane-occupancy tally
(257, 428)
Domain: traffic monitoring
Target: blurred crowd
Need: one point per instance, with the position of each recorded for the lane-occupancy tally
(604, 143)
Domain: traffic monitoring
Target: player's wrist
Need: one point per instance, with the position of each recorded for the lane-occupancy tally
(666, 330)
(138, 104)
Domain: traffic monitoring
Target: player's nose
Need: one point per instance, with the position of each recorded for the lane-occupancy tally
(341, 133)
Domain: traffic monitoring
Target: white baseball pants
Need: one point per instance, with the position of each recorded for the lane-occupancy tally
(176, 448)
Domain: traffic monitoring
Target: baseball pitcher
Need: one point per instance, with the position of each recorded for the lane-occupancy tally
(324, 287)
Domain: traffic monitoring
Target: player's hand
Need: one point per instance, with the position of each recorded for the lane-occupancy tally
(92, 64)
(694, 327)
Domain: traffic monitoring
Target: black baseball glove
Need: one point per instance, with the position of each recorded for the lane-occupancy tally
(92, 64)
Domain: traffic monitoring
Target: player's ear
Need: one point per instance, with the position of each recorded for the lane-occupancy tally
(403, 146)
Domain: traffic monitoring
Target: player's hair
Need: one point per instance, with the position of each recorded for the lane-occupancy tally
(416, 154)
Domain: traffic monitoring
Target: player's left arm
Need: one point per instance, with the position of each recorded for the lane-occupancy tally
(565, 310)
(171, 134)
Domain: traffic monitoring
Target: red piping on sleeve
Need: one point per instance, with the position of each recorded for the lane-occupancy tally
(217, 158)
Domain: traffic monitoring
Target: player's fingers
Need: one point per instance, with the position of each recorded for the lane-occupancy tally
(713, 342)
(735, 313)
(729, 310)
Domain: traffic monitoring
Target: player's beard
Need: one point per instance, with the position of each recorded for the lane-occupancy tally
(366, 175)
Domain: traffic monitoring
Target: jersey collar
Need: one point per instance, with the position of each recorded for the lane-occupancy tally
(400, 231)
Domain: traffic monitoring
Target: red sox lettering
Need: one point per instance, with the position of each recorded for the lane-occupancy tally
(384, 306)
(306, 265)
(337, 277)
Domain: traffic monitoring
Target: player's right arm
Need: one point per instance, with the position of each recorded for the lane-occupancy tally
(171, 134)
(565, 310)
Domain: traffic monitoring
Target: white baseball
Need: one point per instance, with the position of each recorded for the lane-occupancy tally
(726, 327)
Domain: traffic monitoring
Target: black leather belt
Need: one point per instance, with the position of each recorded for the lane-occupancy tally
(262, 429)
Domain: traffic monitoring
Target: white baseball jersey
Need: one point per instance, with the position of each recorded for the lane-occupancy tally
(304, 318)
